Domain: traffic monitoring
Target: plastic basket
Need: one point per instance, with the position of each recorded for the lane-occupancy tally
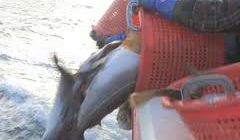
(214, 119)
(167, 48)
(114, 19)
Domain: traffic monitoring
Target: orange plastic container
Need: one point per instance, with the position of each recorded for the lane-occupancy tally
(114, 19)
(217, 119)
(167, 48)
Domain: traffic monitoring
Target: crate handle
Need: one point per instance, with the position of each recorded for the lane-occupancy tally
(204, 80)
(131, 10)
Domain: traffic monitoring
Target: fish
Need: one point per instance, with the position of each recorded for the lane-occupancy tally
(103, 83)
(112, 85)
(62, 124)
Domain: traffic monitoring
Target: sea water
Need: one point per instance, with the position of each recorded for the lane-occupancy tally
(30, 32)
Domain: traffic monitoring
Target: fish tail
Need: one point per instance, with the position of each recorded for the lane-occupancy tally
(64, 72)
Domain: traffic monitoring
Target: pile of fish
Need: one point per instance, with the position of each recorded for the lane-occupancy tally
(103, 83)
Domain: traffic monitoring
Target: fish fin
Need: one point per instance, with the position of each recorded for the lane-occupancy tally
(110, 47)
(105, 51)
(98, 58)
(64, 73)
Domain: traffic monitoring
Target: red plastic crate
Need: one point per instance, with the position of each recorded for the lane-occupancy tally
(167, 48)
(217, 120)
(114, 19)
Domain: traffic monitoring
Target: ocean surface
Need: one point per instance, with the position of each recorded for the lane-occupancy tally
(30, 32)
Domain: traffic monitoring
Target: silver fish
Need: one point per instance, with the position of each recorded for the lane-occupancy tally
(110, 87)
(63, 118)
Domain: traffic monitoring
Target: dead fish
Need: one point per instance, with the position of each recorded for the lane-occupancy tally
(110, 87)
(103, 83)
(63, 118)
